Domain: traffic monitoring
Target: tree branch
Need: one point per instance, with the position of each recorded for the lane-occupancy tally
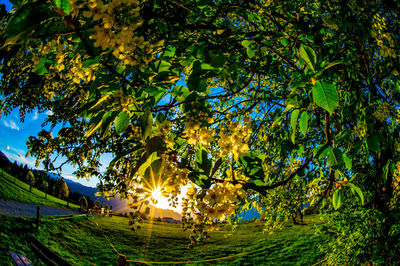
(262, 189)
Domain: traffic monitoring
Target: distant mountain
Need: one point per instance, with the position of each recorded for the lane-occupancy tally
(4, 161)
(4, 157)
(75, 186)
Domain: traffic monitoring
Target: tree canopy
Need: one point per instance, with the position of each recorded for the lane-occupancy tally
(264, 103)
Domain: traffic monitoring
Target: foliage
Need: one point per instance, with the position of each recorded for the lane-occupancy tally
(271, 104)
(357, 233)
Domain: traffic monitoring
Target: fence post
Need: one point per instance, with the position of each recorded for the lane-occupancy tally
(38, 217)
(121, 260)
(110, 211)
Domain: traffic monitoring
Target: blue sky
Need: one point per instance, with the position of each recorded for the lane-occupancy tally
(14, 134)
(7, 3)
(13, 137)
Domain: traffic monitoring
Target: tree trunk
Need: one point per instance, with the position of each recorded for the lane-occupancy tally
(294, 219)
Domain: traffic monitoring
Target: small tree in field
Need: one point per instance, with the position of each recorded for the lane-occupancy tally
(45, 187)
(64, 191)
(30, 178)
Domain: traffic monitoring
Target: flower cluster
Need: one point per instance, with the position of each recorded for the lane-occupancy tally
(116, 29)
(380, 34)
(396, 187)
(67, 69)
(233, 139)
(195, 133)
(361, 129)
(203, 209)
(382, 112)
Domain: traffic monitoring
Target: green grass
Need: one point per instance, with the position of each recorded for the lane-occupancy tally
(20, 192)
(161, 242)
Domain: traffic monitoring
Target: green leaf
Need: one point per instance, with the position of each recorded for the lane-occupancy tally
(386, 169)
(252, 163)
(325, 96)
(197, 83)
(285, 42)
(251, 52)
(216, 166)
(147, 123)
(374, 144)
(337, 199)
(303, 123)
(121, 122)
(293, 123)
(246, 43)
(64, 5)
(142, 169)
(356, 191)
(321, 151)
(200, 179)
(25, 21)
(108, 119)
(169, 51)
(155, 144)
(162, 66)
(347, 161)
(91, 61)
(40, 68)
(95, 123)
(335, 159)
(333, 64)
(308, 56)
(259, 183)
(207, 67)
(251, 48)
(180, 92)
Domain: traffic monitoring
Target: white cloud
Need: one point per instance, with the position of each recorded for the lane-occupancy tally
(19, 158)
(49, 112)
(11, 124)
(35, 115)
(8, 147)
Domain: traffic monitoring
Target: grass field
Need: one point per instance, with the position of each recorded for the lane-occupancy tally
(161, 242)
(20, 192)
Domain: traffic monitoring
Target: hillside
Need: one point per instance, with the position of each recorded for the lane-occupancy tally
(20, 192)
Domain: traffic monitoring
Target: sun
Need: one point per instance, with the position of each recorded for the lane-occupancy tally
(159, 200)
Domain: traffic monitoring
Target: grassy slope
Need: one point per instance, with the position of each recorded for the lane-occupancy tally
(20, 192)
(160, 242)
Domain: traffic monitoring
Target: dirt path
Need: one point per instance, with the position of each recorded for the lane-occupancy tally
(14, 208)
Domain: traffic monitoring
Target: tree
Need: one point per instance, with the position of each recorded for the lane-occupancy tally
(45, 187)
(83, 203)
(61, 189)
(30, 178)
(64, 191)
(272, 104)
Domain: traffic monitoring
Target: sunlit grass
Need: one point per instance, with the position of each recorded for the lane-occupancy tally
(163, 242)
